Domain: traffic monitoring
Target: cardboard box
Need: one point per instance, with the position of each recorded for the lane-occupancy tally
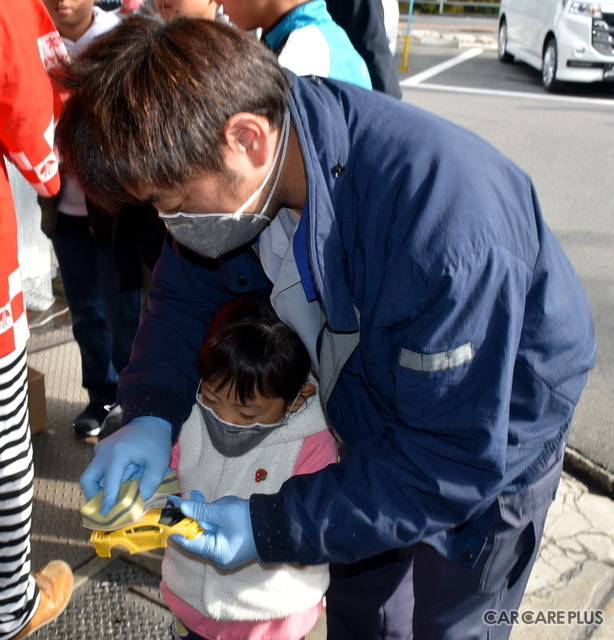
(37, 404)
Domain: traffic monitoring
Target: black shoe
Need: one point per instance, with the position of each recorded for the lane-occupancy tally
(93, 420)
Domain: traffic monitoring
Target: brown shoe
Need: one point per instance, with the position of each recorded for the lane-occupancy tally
(54, 582)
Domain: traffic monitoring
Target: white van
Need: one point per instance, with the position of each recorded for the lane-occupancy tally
(568, 41)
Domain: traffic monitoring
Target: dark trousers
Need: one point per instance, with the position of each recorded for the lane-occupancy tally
(414, 593)
(104, 320)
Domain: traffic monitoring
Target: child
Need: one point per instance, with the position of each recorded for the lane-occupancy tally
(104, 319)
(196, 8)
(257, 420)
(303, 35)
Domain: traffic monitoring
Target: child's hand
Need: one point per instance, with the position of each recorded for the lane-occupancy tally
(228, 539)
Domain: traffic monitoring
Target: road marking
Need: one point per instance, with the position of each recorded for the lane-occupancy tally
(417, 82)
(438, 68)
(516, 94)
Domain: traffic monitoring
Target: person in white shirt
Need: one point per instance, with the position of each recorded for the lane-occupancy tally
(104, 320)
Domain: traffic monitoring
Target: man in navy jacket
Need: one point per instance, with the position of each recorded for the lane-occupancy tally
(449, 332)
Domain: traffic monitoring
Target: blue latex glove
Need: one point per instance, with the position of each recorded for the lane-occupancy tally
(140, 449)
(228, 539)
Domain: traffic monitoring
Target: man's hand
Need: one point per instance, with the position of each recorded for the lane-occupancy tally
(140, 449)
(228, 539)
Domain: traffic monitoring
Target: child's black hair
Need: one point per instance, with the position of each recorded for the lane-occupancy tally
(249, 350)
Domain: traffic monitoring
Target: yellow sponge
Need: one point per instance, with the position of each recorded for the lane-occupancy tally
(129, 507)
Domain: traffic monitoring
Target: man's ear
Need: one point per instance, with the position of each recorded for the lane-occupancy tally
(247, 137)
(306, 392)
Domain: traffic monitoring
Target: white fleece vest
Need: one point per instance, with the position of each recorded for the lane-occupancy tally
(255, 591)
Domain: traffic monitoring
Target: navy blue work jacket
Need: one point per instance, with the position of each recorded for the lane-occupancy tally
(473, 333)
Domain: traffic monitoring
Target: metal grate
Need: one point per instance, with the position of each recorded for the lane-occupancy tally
(113, 604)
(49, 328)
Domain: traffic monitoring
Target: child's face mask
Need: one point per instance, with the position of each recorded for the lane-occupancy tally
(234, 440)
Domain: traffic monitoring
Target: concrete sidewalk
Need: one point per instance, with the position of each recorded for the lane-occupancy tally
(574, 572)
(119, 598)
(449, 31)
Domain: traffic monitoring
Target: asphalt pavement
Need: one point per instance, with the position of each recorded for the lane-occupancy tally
(585, 457)
(570, 595)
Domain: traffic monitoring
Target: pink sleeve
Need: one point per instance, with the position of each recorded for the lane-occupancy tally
(317, 451)
(174, 464)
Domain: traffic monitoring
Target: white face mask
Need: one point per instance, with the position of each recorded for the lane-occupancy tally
(214, 234)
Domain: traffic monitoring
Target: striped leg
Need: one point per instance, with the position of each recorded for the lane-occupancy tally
(18, 592)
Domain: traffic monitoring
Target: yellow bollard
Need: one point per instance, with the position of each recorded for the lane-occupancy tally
(404, 66)
(410, 13)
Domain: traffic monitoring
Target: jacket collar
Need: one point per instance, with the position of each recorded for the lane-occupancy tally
(323, 136)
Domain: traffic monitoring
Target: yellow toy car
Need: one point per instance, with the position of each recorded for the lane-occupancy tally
(150, 532)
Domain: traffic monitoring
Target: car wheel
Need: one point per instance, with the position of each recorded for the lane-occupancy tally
(504, 56)
(549, 66)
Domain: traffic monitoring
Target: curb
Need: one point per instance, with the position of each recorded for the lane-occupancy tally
(452, 39)
(586, 470)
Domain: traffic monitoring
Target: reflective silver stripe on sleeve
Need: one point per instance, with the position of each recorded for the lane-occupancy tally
(436, 361)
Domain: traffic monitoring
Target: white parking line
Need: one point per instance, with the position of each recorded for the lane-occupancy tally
(417, 82)
(516, 94)
(438, 68)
